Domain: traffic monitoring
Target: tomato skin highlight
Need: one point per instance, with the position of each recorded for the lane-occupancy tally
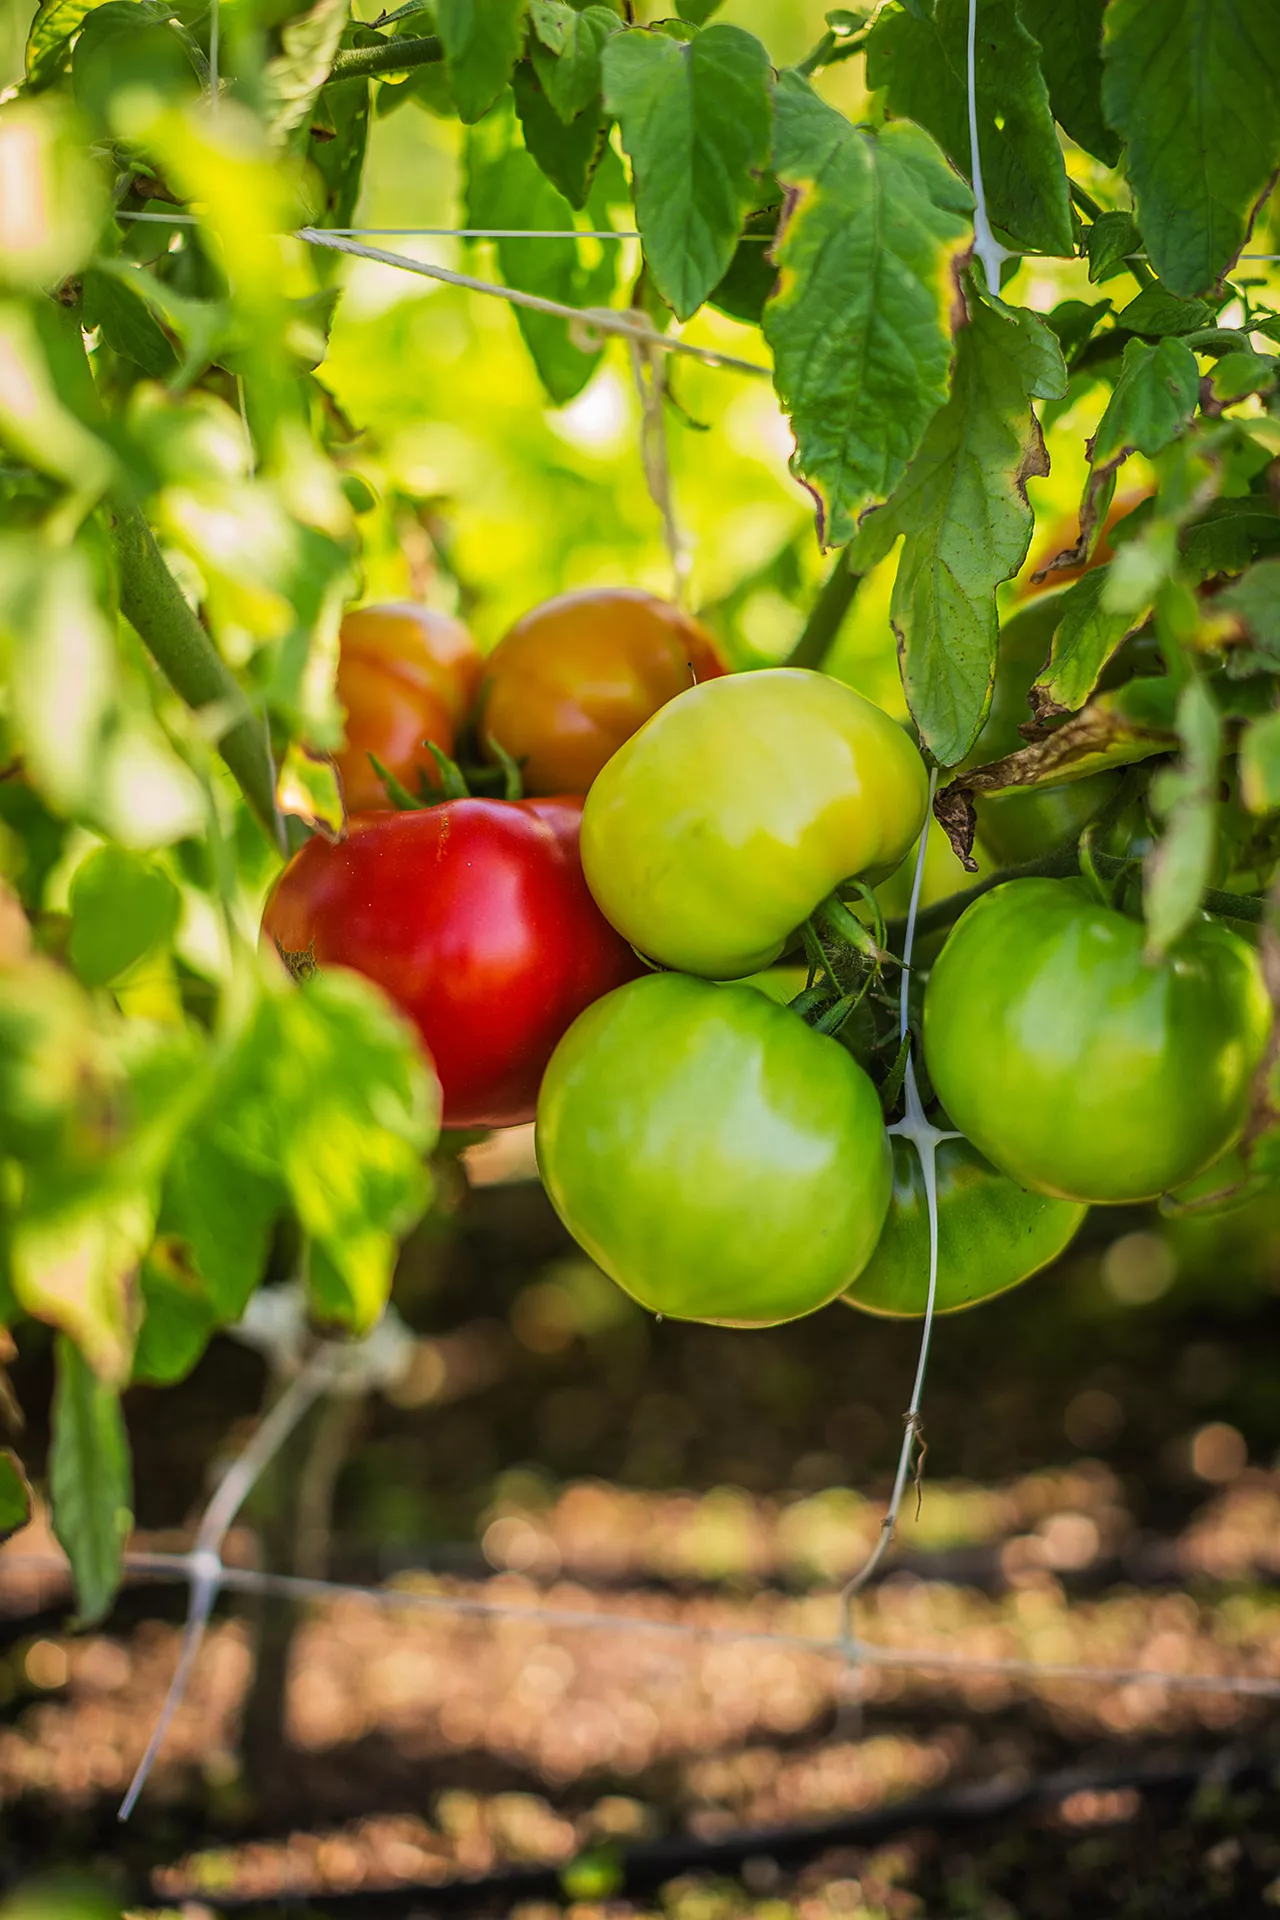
(715, 1156)
(1076, 1066)
(575, 677)
(475, 919)
(406, 674)
(992, 1235)
(719, 827)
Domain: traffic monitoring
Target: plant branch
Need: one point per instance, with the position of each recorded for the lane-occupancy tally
(1062, 865)
(152, 602)
(827, 616)
(389, 56)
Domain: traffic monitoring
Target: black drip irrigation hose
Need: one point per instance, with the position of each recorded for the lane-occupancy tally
(649, 1864)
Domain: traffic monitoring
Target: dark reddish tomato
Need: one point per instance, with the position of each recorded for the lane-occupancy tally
(474, 918)
(406, 674)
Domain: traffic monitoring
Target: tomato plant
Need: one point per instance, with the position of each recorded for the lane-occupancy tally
(578, 675)
(721, 1161)
(992, 1234)
(720, 826)
(407, 675)
(474, 918)
(1078, 1064)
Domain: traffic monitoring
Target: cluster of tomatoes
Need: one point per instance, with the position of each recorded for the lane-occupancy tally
(596, 952)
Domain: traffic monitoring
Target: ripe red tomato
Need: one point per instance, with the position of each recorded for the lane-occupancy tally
(578, 675)
(406, 674)
(474, 917)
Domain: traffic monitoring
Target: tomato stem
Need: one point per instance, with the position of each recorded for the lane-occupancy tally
(827, 616)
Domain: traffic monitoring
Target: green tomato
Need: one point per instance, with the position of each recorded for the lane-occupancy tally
(1078, 1066)
(992, 1233)
(715, 1156)
(717, 828)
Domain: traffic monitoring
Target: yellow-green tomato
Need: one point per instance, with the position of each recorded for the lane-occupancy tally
(719, 826)
(1079, 1066)
(715, 1156)
(992, 1233)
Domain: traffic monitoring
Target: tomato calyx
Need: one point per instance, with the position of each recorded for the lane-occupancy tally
(846, 959)
(456, 783)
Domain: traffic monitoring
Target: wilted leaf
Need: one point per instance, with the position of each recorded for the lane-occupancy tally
(696, 122)
(922, 62)
(1193, 86)
(1134, 722)
(1086, 637)
(122, 907)
(1180, 866)
(962, 506)
(1154, 398)
(308, 787)
(482, 42)
(862, 319)
(90, 1481)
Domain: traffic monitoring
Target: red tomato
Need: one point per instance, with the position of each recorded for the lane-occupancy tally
(580, 674)
(474, 917)
(406, 674)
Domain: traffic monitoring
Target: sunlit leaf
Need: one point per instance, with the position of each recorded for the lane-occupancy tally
(1260, 765)
(294, 77)
(863, 315)
(1153, 400)
(1180, 865)
(308, 788)
(1085, 638)
(571, 75)
(50, 36)
(52, 196)
(90, 1481)
(122, 907)
(74, 1253)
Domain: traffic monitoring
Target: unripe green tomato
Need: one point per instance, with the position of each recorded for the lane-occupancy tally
(1078, 1066)
(716, 1157)
(717, 828)
(992, 1233)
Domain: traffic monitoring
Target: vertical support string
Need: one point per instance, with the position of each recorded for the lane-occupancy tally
(985, 244)
(650, 380)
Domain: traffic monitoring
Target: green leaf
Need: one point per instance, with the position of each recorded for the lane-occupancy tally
(1179, 868)
(552, 21)
(1260, 765)
(962, 506)
(1084, 640)
(1157, 312)
(49, 39)
(482, 42)
(1238, 374)
(922, 63)
(506, 188)
(90, 1481)
(1255, 599)
(50, 1057)
(15, 1495)
(122, 907)
(342, 113)
(572, 78)
(1154, 398)
(1193, 86)
(862, 318)
(566, 153)
(1111, 238)
(75, 1252)
(124, 48)
(335, 1100)
(295, 76)
(117, 310)
(52, 196)
(1070, 37)
(223, 1211)
(178, 1316)
(695, 122)
(752, 275)
(37, 419)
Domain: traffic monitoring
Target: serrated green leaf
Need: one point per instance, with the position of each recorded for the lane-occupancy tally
(695, 122)
(1109, 240)
(49, 39)
(962, 507)
(572, 79)
(122, 907)
(1085, 638)
(566, 153)
(1070, 39)
(1260, 765)
(1154, 398)
(291, 80)
(482, 42)
(922, 64)
(90, 1481)
(1180, 866)
(1157, 312)
(862, 317)
(506, 188)
(1193, 86)
(15, 1495)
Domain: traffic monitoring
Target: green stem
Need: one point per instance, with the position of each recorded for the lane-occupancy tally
(152, 603)
(1083, 199)
(389, 56)
(824, 622)
(1061, 865)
